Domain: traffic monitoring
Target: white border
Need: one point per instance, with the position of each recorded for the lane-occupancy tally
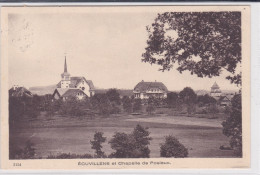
(255, 99)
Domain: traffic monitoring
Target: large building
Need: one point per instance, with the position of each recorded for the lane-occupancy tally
(70, 86)
(144, 90)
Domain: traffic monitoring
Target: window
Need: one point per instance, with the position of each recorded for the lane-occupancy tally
(83, 88)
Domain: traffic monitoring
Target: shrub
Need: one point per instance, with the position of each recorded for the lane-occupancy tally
(69, 156)
(96, 144)
(150, 109)
(173, 148)
(27, 153)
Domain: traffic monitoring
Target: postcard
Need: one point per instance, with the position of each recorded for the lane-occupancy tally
(125, 87)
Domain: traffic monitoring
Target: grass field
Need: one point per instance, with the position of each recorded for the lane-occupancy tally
(56, 135)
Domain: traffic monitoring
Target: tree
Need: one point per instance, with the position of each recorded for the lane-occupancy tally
(101, 103)
(137, 106)
(113, 96)
(134, 145)
(203, 43)
(96, 144)
(232, 126)
(206, 100)
(142, 140)
(171, 99)
(188, 97)
(173, 148)
(123, 144)
(127, 104)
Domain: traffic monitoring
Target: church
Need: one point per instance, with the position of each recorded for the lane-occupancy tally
(77, 87)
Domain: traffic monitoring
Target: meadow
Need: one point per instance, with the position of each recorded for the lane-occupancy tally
(67, 134)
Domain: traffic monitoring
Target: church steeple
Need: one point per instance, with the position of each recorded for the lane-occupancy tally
(65, 75)
(65, 65)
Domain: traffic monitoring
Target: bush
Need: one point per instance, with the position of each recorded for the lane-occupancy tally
(27, 153)
(173, 148)
(69, 156)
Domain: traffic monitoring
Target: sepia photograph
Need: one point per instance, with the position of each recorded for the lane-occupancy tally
(98, 84)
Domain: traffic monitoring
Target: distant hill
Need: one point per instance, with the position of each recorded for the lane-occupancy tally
(42, 90)
(122, 92)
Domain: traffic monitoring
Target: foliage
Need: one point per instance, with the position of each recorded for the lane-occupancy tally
(137, 106)
(27, 153)
(150, 109)
(206, 100)
(213, 109)
(70, 156)
(127, 104)
(101, 103)
(173, 148)
(20, 107)
(96, 144)
(188, 97)
(232, 126)
(72, 107)
(142, 140)
(171, 99)
(203, 43)
(113, 96)
(134, 145)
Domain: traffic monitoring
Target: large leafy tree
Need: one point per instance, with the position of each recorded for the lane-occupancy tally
(232, 126)
(203, 43)
(188, 97)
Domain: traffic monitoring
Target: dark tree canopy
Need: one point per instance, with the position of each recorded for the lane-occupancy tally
(203, 43)
(188, 96)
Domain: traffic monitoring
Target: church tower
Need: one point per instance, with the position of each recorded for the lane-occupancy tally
(215, 90)
(65, 77)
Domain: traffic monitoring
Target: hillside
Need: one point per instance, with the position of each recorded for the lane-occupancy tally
(42, 90)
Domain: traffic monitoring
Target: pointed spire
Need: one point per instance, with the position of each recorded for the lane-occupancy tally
(65, 65)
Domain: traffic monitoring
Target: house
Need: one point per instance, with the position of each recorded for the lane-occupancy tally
(224, 101)
(144, 90)
(69, 86)
(215, 91)
(17, 91)
(69, 93)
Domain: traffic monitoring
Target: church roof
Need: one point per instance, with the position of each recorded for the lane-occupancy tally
(20, 92)
(74, 81)
(72, 92)
(215, 86)
(61, 91)
(145, 86)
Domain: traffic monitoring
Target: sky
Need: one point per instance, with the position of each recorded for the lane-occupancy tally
(103, 47)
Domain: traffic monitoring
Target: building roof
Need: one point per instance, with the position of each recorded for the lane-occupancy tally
(145, 86)
(72, 93)
(19, 92)
(74, 81)
(215, 86)
(61, 91)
